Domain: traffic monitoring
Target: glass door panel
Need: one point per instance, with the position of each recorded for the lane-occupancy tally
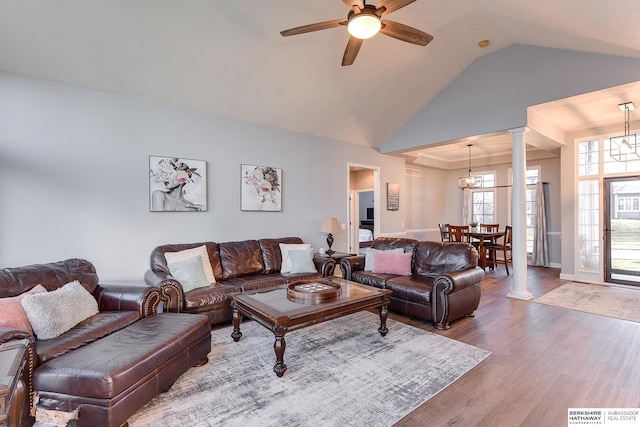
(622, 232)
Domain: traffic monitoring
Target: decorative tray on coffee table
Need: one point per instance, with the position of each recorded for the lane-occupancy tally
(312, 291)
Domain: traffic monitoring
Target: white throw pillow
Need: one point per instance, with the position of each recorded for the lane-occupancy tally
(53, 313)
(286, 259)
(189, 273)
(302, 261)
(200, 251)
(370, 256)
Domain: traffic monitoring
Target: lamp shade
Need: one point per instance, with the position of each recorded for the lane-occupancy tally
(330, 226)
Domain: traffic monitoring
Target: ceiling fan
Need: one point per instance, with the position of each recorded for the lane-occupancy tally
(363, 22)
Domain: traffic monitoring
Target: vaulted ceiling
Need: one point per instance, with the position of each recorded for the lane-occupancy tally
(227, 57)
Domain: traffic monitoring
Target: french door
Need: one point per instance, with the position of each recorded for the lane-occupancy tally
(622, 230)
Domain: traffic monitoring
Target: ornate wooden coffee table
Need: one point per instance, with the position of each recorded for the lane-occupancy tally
(280, 311)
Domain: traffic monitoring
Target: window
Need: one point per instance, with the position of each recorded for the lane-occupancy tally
(628, 204)
(589, 224)
(531, 179)
(483, 200)
(594, 164)
(588, 158)
(532, 175)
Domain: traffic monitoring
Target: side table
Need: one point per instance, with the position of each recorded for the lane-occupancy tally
(336, 256)
(12, 389)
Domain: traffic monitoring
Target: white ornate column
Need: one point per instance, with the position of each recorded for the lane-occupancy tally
(519, 216)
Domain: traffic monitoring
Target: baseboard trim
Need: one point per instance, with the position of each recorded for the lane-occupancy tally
(565, 276)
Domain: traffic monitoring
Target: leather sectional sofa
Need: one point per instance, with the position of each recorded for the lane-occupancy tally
(443, 284)
(237, 266)
(94, 374)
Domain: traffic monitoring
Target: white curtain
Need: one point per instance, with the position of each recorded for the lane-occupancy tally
(540, 243)
(466, 207)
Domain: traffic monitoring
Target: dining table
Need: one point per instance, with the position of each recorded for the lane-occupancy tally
(483, 236)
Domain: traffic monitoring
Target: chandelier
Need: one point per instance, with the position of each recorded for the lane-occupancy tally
(625, 148)
(470, 181)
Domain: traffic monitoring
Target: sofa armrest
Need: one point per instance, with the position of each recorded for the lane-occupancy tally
(457, 280)
(141, 298)
(171, 290)
(10, 334)
(325, 265)
(350, 264)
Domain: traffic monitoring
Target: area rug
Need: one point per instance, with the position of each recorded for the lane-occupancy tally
(610, 301)
(339, 373)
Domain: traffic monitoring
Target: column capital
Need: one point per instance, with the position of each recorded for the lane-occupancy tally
(519, 131)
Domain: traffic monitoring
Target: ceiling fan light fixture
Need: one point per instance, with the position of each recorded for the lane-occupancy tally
(364, 25)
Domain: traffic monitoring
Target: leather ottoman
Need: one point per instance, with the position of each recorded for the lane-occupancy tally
(115, 376)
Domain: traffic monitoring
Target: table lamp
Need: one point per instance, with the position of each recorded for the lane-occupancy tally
(330, 226)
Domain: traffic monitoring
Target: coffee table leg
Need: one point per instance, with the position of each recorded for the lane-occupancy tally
(237, 318)
(383, 320)
(279, 346)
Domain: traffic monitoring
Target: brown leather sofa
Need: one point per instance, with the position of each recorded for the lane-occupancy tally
(237, 266)
(444, 284)
(94, 371)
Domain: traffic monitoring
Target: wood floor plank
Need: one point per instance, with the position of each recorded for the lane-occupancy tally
(544, 361)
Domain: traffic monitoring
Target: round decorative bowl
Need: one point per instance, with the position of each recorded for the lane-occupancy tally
(312, 291)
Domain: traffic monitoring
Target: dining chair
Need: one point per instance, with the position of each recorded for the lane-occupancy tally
(488, 241)
(504, 247)
(444, 232)
(492, 228)
(458, 233)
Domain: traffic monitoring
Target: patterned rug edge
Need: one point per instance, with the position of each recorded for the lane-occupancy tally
(554, 298)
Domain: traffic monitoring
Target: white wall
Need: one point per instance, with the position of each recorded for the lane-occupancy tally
(427, 197)
(74, 177)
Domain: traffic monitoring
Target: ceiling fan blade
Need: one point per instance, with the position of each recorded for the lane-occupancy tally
(392, 5)
(351, 51)
(351, 3)
(405, 33)
(313, 27)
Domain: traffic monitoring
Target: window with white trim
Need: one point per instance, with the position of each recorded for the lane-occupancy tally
(531, 179)
(532, 175)
(483, 200)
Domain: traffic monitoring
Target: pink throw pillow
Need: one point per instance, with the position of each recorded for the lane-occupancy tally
(390, 263)
(12, 314)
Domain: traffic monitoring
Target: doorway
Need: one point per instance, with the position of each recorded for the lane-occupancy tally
(362, 179)
(622, 230)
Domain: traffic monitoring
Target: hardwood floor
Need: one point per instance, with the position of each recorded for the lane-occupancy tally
(544, 361)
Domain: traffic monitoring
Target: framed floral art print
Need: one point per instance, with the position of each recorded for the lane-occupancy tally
(177, 184)
(261, 188)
